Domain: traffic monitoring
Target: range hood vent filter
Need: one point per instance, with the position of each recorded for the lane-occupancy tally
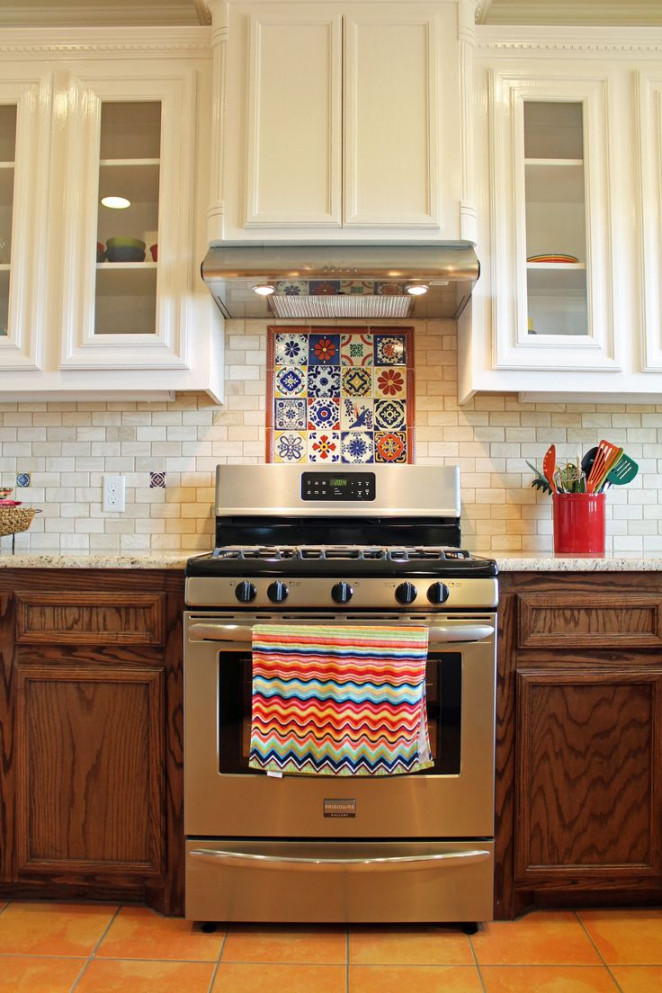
(341, 306)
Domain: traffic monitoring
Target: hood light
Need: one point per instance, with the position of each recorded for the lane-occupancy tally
(417, 289)
(264, 289)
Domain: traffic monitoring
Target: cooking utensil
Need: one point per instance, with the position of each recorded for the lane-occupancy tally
(588, 460)
(623, 471)
(549, 465)
(604, 459)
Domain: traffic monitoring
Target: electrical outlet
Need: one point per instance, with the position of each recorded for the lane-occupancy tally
(113, 494)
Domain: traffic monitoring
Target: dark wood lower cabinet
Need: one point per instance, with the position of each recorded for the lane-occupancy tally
(90, 719)
(579, 740)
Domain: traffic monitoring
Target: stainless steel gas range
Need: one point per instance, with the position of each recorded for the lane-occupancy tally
(350, 546)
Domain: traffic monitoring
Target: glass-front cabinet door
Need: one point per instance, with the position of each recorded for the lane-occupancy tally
(128, 221)
(25, 107)
(552, 263)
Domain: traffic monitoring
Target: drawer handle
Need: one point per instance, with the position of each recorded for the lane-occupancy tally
(391, 864)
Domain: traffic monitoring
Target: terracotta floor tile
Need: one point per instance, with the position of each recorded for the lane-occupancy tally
(540, 938)
(628, 937)
(233, 977)
(141, 933)
(24, 974)
(400, 946)
(547, 979)
(115, 976)
(315, 946)
(638, 978)
(414, 979)
(44, 928)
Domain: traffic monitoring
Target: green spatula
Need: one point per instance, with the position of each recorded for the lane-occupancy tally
(624, 471)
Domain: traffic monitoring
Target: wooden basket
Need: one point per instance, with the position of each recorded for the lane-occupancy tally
(14, 519)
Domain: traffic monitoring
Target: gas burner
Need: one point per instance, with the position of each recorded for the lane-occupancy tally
(323, 553)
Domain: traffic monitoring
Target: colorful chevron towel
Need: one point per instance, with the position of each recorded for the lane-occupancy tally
(339, 700)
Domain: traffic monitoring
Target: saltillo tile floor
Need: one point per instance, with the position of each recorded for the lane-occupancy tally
(49, 947)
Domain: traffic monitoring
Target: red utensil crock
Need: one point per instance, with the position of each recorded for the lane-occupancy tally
(579, 523)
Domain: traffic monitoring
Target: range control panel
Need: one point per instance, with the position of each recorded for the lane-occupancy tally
(338, 486)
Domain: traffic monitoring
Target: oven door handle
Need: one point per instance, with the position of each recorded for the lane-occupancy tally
(289, 863)
(436, 635)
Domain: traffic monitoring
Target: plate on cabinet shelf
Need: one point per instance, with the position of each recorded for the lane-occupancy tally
(559, 258)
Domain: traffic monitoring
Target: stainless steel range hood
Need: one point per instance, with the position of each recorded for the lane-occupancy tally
(356, 280)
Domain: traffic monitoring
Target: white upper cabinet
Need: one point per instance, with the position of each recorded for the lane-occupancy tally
(569, 172)
(341, 120)
(97, 300)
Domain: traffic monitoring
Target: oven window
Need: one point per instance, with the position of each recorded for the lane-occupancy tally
(444, 705)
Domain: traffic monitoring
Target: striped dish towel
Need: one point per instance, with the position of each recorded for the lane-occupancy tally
(339, 700)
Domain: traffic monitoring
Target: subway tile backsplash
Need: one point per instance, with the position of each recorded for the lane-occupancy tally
(65, 448)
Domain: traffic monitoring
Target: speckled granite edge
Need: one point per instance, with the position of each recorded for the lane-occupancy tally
(612, 562)
(54, 560)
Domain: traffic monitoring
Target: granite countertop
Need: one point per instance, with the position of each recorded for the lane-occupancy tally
(507, 561)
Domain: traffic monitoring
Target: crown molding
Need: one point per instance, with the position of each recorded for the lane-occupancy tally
(635, 13)
(109, 42)
(90, 13)
(600, 41)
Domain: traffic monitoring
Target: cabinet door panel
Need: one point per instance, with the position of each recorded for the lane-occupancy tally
(90, 770)
(649, 132)
(589, 769)
(390, 121)
(580, 620)
(293, 141)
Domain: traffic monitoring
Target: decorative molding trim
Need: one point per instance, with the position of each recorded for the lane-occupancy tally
(83, 43)
(597, 41)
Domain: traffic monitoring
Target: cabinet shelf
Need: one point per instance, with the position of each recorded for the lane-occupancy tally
(554, 181)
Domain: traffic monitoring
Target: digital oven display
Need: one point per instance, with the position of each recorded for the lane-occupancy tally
(354, 486)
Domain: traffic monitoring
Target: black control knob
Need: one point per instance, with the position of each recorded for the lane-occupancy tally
(245, 592)
(342, 593)
(406, 593)
(438, 593)
(278, 592)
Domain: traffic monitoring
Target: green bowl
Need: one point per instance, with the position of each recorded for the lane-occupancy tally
(126, 243)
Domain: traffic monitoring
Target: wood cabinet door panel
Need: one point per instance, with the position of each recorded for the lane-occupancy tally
(589, 767)
(90, 618)
(90, 769)
(582, 620)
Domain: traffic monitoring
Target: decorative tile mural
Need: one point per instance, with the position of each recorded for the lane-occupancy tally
(340, 394)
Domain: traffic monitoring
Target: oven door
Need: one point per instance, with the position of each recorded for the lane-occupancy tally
(224, 798)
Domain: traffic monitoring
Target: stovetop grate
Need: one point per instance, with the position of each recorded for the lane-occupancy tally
(341, 552)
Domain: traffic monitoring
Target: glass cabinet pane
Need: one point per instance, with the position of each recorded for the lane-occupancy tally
(127, 228)
(7, 153)
(555, 208)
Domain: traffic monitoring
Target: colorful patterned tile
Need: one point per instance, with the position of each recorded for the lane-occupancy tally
(290, 446)
(323, 381)
(252, 978)
(390, 381)
(414, 979)
(404, 946)
(330, 375)
(638, 978)
(356, 349)
(626, 937)
(291, 348)
(290, 415)
(391, 446)
(390, 415)
(357, 446)
(116, 976)
(141, 933)
(547, 979)
(324, 349)
(356, 381)
(45, 928)
(23, 479)
(324, 287)
(157, 480)
(356, 414)
(324, 414)
(290, 381)
(312, 946)
(390, 349)
(540, 938)
(324, 446)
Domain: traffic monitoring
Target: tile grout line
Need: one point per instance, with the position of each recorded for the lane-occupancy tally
(92, 954)
(476, 962)
(217, 964)
(602, 958)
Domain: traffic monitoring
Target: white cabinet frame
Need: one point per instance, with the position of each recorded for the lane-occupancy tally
(514, 347)
(648, 86)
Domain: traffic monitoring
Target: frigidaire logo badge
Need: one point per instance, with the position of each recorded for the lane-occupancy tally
(340, 808)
